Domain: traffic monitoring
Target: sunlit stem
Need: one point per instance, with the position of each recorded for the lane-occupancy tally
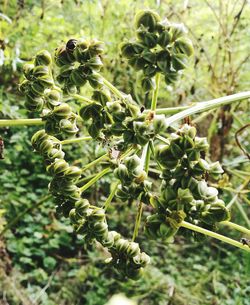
(205, 106)
(138, 221)
(95, 179)
(112, 88)
(75, 140)
(206, 232)
(82, 98)
(111, 196)
(96, 161)
(21, 122)
(155, 92)
(236, 227)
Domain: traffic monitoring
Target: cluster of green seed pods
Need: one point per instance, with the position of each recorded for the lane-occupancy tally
(184, 186)
(87, 220)
(161, 47)
(42, 95)
(133, 185)
(38, 81)
(78, 61)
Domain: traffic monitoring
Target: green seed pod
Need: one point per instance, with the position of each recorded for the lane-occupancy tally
(121, 193)
(127, 50)
(148, 39)
(55, 153)
(69, 88)
(66, 70)
(139, 174)
(216, 212)
(81, 51)
(193, 154)
(166, 232)
(46, 81)
(179, 61)
(63, 57)
(171, 77)
(148, 84)
(188, 130)
(163, 60)
(164, 39)
(100, 229)
(114, 106)
(82, 207)
(96, 47)
(200, 167)
(60, 166)
(73, 216)
(36, 88)
(121, 245)
(176, 150)
(73, 173)
(94, 131)
(40, 71)
(215, 170)
(121, 172)
(132, 162)
(149, 56)
(95, 63)
(98, 215)
(133, 249)
(95, 81)
(77, 78)
(108, 241)
(142, 259)
(183, 45)
(90, 111)
(28, 71)
(159, 123)
(34, 103)
(43, 58)
(150, 70)
(137, 62)
(148, 19)
(62, 111)
(45, 146)
(201, 144)
(68, 127)
(177, 31)
(38, 137)
(211, 195)
(184, 195)
(102, 96)
(23, 86)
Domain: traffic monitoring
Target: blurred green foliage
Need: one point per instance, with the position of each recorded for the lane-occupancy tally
(43, 262)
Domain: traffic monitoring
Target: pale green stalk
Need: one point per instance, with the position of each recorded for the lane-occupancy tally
(223, 238)
(21, 122)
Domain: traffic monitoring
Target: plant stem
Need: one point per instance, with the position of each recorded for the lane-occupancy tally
(75, 140)
(243, 213)
(223, 238)
(111, 196)
(204, 106)
(138, 221)
(95, 179)
(21, 122)
(112, 88)
(169, 110)
(236, 227)
(25, 211)
(82, 98)
(96, 161)
(155, 92)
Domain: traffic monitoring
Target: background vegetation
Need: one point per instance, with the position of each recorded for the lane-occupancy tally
(41, 261)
